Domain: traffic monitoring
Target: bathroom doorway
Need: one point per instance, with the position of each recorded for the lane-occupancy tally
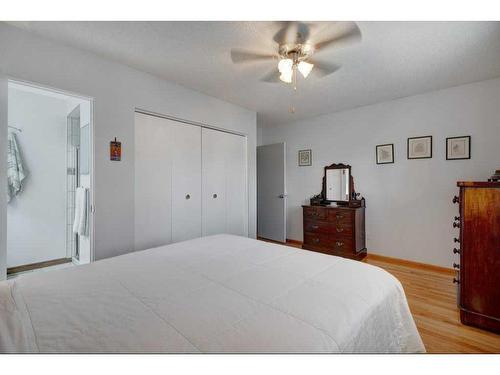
(49, 210)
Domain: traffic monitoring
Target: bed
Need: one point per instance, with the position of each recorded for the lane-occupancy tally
(218, 294)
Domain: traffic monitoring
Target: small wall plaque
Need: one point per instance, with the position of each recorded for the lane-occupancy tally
(305, 158)
(115, 150)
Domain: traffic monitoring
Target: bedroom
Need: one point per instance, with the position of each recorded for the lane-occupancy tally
(210, 141)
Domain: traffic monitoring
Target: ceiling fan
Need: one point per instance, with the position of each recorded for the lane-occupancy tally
(296, 47)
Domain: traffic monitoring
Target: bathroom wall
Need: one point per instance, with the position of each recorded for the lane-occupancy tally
(36, 218)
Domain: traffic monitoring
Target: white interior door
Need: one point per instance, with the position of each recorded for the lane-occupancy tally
(213, 182)
(236, 184)
(271, 192)
(224, 183)
(186, 181)
(153, 181)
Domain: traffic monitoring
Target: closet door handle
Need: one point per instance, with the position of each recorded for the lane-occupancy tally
(188, 196)
(214, 196)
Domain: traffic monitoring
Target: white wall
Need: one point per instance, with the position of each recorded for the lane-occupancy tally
(409, 211)
(36, 218)
(117, 91)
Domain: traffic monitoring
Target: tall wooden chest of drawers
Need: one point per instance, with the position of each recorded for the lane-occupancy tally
(335, 230)
(478, 273)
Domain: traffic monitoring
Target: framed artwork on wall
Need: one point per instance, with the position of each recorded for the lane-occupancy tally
(385, 153)
(420, 147)
(458, 148)
(305, 158)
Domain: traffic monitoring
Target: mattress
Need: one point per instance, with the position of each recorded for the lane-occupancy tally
(218, 294)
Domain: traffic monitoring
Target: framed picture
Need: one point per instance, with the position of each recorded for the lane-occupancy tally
(458, 148)
(305, 158)
(420, 147)
(115, 150)
(385, 153)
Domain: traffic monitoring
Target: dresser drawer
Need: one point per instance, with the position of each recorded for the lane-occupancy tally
(313, 226)
(341, 229)
(343, 217)
(317, 239)
(315, 213)
(341, 245)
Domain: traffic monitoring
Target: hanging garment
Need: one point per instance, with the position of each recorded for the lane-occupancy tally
(16, 170)
(80, 225)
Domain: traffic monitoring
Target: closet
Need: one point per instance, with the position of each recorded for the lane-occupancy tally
(190, 181)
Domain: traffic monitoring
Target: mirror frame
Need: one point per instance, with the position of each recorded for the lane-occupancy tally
(351, 183)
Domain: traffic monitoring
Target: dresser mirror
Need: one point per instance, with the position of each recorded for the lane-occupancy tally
(338, 184)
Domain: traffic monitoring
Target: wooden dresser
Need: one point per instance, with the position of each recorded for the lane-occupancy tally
(335, 230)
(478, 273)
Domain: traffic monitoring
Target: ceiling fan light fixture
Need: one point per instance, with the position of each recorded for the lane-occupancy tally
(285, 66)
(305, 68)
(286, 76)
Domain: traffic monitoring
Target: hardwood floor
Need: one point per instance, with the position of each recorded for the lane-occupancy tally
(432, 299)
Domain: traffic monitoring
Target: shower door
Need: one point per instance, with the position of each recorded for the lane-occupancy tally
(72, 180)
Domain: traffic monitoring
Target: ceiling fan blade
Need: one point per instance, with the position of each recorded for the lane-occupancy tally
(350, 34)
(321, 69)
(272, 77)
(240, 56)
(292, 32)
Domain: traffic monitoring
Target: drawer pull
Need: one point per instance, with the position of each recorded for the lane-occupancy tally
(457, 266)
(457, 218)
(456, 240)
(456, 251)
(214, 196)
(316, 240)
(339, 243)
(456, 281)
(340, 216)
(455, 199)
(315, 227)
(188, 196)
(456, 225)
(339, 230)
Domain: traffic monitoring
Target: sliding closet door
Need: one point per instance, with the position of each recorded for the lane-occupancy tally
(236, 185)
(153, 181)
(213, 182)
(186, 181)
(224, 183)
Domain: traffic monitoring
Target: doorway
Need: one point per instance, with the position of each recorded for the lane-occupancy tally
(49, 178)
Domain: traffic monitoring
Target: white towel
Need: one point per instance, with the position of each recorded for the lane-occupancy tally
(16, 171)
(80, 224)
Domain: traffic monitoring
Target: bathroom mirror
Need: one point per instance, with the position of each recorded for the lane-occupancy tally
(338, 183)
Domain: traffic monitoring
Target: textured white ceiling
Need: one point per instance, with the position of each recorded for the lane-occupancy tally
(394, 59)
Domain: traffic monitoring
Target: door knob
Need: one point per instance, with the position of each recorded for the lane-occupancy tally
(215, 195)
(188, 196)
(282, 196)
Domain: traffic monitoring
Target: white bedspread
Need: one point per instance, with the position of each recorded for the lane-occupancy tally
(214, 294)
